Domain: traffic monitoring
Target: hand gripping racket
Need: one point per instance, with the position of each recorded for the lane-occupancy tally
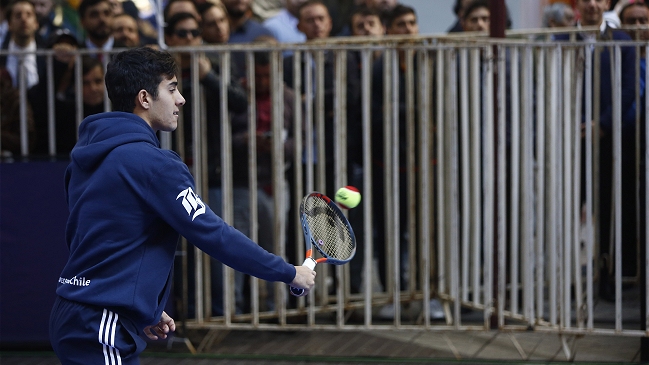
(327, 230)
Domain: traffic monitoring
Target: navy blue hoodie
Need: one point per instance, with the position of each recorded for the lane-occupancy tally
(129, 200)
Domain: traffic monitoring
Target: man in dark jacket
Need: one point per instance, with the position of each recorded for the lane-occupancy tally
(129, 203)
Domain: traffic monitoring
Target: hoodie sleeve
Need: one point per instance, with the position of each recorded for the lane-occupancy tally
(172, 195)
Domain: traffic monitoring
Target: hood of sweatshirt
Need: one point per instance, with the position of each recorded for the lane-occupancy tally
(99, 134)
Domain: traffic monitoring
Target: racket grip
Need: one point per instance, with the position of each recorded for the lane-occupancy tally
(310, 263)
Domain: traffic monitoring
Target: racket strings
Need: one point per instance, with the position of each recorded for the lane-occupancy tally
(329, 231)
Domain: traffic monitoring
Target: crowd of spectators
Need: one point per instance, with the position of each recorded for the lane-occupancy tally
(30, 25)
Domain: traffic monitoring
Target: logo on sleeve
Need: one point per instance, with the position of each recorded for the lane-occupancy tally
(191, 202)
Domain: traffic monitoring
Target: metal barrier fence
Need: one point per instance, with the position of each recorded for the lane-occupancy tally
(492, 190)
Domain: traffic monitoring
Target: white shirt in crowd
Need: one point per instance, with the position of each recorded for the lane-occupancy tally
(29, 62)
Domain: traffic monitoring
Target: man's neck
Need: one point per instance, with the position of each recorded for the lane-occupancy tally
(99, 42)
(238, 22)
(22, 42)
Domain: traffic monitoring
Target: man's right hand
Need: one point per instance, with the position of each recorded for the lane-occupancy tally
(304, 279)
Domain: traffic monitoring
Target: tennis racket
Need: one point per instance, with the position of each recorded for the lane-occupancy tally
(327, 230)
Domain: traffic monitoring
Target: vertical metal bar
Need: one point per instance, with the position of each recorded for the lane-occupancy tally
(575, 217)
(465, 224)
(226, 181)
(539, 227)
(197, 172)
(515, 178)
(104, 61)
(252, 174)
(489, 188)
(424, 178)
(617, 181)
(308, 110)
(411, 114)
(452, 177)
(476, 172)
(51, 122)
(298, 162)
(588, 161)
(321, 170)
(340, 160)
(393, 218)
(567, 238)
(78, 88)
(279, 188)
(645, 204)
(577, 70)
(527, 197)
(22, 88)
(320, 127)
(308, 70)
(388, 190)
(441, 164)
(368, 260)
(207, 278)
(501, 164)
(555, 53)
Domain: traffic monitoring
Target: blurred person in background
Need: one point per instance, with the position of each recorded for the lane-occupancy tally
(215, 28)
(458, 9)
(266, 183)
(125, 31)
(315, 23)
(476, 17)
(383, 6)
(183, 30)
(402, 20)
(23, 36)
(558, 15)
(283, 25)
(243, 28)
(264, 9)
(4, 25)
(65, 45)
(53, 15)
(10, 119)
(635, 13)
(592, 15)
(365, 22)
(180, 6)
(93, 91)
(97, 21)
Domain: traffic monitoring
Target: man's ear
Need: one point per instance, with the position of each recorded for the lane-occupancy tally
(143, 99)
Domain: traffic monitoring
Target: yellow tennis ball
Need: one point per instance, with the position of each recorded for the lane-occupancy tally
(348, 197)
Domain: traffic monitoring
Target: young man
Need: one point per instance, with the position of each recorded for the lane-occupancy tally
(129, 201)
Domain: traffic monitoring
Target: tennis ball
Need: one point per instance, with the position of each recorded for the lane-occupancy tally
(348, 197)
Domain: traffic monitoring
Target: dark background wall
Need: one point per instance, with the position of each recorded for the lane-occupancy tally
(33, 214)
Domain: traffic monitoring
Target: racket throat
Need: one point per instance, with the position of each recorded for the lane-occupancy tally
(310, 263)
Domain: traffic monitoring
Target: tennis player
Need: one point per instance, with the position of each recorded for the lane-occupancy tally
(129, 200)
